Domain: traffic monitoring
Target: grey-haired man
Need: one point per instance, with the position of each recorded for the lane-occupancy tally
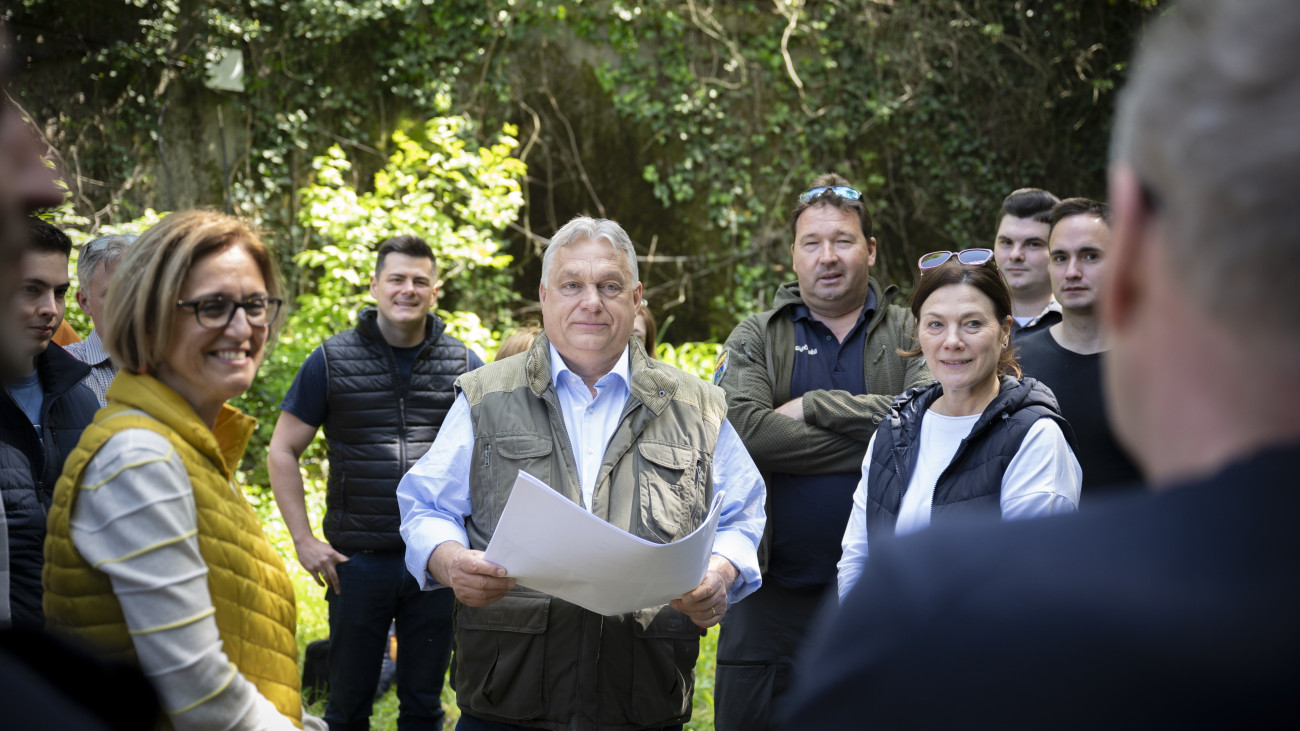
(95, 266)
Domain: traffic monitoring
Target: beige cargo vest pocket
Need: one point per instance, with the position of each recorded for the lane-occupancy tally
(502, 668)
(502, 458)
(672, 500)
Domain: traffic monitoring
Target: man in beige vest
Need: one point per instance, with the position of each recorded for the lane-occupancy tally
(638, 443)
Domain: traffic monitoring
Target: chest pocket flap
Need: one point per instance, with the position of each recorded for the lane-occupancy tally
(521, 446)
(670, 501)
(667, 455)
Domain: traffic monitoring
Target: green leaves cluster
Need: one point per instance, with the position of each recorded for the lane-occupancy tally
(439, 185)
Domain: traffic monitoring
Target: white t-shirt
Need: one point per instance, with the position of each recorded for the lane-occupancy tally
(1042, 479)
(940, 437)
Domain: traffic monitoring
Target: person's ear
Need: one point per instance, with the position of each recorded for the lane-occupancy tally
(1132, 219)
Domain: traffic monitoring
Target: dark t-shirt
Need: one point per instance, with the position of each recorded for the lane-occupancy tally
(1076, 381)
(308, 399)
(809, 512)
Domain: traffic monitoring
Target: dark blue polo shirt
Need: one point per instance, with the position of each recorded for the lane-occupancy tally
(809, 512)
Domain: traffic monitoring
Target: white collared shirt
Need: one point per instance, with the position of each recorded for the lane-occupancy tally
(589, 421)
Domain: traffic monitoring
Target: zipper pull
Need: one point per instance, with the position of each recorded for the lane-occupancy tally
(487, 454)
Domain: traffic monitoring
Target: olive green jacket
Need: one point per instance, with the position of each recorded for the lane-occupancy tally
(756, 371)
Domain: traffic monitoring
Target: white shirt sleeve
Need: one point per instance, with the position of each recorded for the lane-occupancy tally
(136, 521)
(1044, 478)
(433, 496)
(740, 527)
(855, 533)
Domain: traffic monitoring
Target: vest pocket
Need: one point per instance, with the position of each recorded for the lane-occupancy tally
(665, 649)
(503, 457)
(671, 500)
(501, 655)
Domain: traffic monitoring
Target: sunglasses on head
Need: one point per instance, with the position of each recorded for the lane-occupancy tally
(843, 191)
(969, 257)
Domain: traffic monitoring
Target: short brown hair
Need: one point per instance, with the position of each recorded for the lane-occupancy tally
(142, 296)
(407, 245)
(828, 198)
(985, 278)
(1032, 203)
(1079, 207)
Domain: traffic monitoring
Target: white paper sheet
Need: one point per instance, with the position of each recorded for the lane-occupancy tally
(550, 544)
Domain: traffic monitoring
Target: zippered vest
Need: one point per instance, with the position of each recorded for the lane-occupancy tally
(253, 599)
(530, 657)
(375, 431)
(971, 485)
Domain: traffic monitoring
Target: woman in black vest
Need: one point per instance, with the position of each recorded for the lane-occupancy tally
(979, 441)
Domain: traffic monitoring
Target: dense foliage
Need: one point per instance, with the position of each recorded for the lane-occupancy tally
(693, 123)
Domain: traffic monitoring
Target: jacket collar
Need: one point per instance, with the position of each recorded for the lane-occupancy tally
(1013, 395)
(224, 446)
(59, 370)
(368, 326)
(787, 295)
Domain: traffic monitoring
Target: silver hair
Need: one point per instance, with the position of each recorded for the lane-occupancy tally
(1208, 123)
(106, 249)
(583, 228)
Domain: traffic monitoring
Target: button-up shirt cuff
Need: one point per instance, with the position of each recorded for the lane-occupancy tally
(422, 539)
(736, 548)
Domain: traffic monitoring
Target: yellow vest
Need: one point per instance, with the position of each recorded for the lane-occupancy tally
(251, 593)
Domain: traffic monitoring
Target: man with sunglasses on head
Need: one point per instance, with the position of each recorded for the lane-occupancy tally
(381, 392)
(1067, 356)
(43, 410)
(803, 381)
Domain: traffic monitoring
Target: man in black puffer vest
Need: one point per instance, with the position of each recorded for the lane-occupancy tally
(43, 410)
(381, 392)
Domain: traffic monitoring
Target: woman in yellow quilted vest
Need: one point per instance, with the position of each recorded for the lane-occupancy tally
(154, 555)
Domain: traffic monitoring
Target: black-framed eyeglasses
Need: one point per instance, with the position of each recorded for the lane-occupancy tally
(969, 257)
(843, 191)
(216, 313)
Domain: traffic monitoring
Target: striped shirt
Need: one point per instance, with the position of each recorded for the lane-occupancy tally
(91, 350)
